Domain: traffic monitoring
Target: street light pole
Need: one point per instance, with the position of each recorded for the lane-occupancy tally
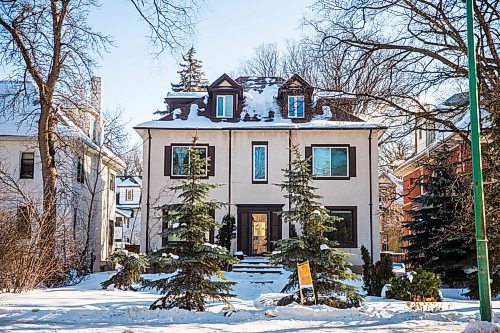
(481, 237)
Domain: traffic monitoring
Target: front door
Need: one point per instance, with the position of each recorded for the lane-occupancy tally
(257, 227)
(259, 221)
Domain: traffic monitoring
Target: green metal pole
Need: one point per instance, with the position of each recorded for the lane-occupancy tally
(481, 237)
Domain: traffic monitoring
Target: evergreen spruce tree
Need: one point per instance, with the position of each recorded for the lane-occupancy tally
(194, 260)
(433, 212)
(191, 74)
(328, 264)
(226, 231)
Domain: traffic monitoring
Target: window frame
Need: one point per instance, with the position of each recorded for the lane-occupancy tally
(22, 172)
(260, 144)
(112, 182)
(354, 212)
(224, 105)
(127, 191)
(295, 105)
(335, 146)
(197, 146)
(80, 170)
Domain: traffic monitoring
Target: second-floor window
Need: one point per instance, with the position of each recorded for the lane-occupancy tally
(296, 106)
(330, 162)
(112, 179)
(80, 171)
(27, 165)
(224, 106)
(181, 159)
(259, 158)
(129, 194)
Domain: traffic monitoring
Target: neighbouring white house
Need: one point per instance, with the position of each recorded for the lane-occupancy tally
(247, 126)
(87, 169)
(128, 210)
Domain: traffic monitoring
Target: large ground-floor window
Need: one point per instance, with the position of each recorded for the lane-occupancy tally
(346, 226)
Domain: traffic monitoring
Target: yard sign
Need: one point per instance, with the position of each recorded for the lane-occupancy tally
(305, 279)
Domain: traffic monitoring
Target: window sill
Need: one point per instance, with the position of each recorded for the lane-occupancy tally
(332, 178)
(260, 182)
(186, 177)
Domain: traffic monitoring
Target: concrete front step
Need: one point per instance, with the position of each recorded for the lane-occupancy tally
(257, 271)
(258, 266)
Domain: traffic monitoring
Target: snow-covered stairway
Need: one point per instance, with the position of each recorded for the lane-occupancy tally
(260, 265)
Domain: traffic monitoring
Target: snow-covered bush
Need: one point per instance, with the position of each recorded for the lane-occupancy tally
(130, 267)
(418, 285)
(378, 275)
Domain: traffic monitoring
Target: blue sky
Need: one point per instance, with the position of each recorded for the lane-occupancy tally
(137, 82)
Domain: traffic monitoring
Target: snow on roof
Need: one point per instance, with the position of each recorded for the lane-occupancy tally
(186, 94)
(129, 181)
(260, 110)
(260, 93)
(23, 121)
(205, 123)
(124, 212)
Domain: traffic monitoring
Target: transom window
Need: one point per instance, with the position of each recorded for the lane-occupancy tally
(330, 161)
(181, 158)
(296, 106)
(345, 233)
(259, 173)
(27, 165)
(224, 106)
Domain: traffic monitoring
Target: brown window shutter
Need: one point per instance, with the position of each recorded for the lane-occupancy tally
(167, 168)
(211, 163)
(243, 232)
(352, 161)
(275, 228)
(308, 155)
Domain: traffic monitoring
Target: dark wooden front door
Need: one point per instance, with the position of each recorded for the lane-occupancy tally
(258, 227)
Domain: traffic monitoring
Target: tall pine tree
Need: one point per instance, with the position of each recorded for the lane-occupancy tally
(191, 74)
(194, 260)
(434, 211)
(328, 264)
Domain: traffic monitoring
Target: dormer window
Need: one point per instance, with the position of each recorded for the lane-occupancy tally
(224, 106)
(295, 106)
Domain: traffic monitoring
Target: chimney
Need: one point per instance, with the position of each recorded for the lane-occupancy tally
(96, 93)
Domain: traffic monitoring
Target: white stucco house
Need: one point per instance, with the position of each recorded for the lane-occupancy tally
(247, 126)
(128, 210)
(86, 170)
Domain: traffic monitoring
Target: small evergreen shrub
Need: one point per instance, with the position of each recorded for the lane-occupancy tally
(473, 284)
(351, 300)
(226, 231)
(131, 266)
(378, 275)
(424, 286)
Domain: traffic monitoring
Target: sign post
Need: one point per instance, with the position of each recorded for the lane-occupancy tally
(477, 173)
(305, 279)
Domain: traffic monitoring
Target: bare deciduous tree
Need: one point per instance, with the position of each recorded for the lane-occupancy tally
(51, 45)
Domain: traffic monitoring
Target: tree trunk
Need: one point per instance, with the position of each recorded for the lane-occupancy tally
(46, 143)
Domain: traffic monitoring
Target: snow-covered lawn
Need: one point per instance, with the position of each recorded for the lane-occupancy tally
(87, 308)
